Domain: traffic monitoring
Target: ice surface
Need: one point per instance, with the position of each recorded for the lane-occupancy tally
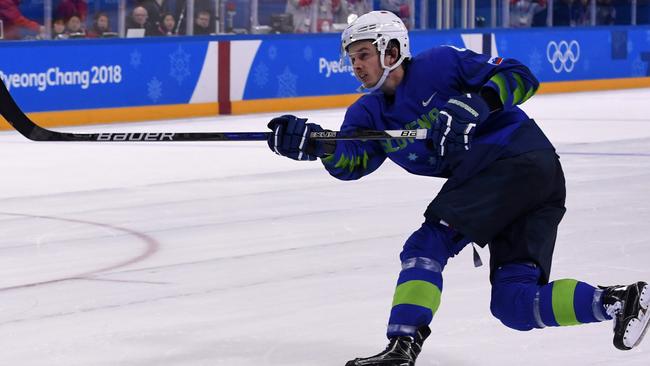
(226, 254)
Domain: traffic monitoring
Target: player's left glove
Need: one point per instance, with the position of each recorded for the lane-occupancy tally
(457, 121)
(290, 138)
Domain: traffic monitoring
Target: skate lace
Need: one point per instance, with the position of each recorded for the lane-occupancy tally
(614, 310)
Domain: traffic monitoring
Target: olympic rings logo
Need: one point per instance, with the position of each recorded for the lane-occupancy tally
(563, 55)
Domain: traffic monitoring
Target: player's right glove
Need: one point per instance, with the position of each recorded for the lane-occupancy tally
(457, 121)
(290, 138)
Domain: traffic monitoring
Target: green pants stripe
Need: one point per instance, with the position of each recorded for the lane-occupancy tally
(419, 293)
(563, 295)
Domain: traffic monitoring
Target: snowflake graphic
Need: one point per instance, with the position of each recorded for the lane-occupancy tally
(273, 52)
(154, 89)
(287, 83)
(179, 63)
(136, 59)
(413, 157)
(261, 74)
(535, 61)
(308, 53)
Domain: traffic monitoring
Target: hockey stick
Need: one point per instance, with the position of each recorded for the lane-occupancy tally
(23, 124)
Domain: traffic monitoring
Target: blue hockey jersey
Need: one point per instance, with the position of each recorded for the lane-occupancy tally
(431, 78)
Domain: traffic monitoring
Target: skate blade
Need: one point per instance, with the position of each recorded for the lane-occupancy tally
(637, 327)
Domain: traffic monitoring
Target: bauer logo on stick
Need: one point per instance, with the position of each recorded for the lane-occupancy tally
(323, 134)
(150, 136)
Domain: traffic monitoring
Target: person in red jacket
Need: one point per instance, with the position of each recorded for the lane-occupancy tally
(68, 8)
(15, 24)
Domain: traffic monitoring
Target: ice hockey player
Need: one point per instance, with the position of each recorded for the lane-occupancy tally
(505, 187)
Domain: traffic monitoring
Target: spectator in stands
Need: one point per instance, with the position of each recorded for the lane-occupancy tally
(155, 9)
(202, 23)
(606, 12)
(349, 7)
(522, 12)
(181, 9)
(101, 27)
(571, 13)
(58, 29)
(581, 15)
(74, 28)
(301, 10)
(140, 20)
(168, 25)
(68, 8)
(15, 24)
(401, 8)
(325, 14)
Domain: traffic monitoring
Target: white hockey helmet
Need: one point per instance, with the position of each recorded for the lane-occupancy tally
(380, 27)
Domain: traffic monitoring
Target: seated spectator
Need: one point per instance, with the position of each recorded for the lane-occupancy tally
(74, 28)
(58, 29)
(101, 27)
(156, 9)
(202, 23)
(68, 8)
(301, 10)
(139, 20)
(168, 25)
(15, 24)
(180, 13)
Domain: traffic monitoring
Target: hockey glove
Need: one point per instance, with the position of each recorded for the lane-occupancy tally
(290, 138)
(457, 121)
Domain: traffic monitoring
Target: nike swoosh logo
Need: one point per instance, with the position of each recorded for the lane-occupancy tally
(426, 102)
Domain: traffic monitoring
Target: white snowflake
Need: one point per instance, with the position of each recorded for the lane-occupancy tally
(413, 157)
(261, 74)
(154, 89)
(287, 83)
(136, 59)
(179, 63)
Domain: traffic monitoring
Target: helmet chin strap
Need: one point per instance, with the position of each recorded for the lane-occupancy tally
(377, 85)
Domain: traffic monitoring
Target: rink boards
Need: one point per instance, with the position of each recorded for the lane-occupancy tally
(82, 81)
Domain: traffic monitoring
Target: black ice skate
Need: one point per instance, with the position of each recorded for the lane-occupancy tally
(401, 351)
(628, 306)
